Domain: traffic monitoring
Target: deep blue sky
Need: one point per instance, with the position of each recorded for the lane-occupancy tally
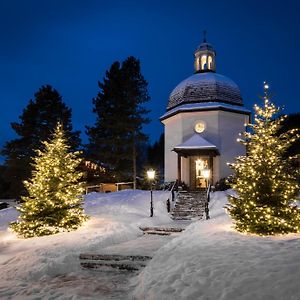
(70, 45)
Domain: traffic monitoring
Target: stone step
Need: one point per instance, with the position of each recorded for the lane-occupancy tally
(192, 198)
(162, 229)
(187, 217)
(188, 208)
(120, 266)
(116, 257)
(185, 214)
(189, 205)
(194, 208)
(187, 211)
(154, 232)
(109, 262)
(181, 218)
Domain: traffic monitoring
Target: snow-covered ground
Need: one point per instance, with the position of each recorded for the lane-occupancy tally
(212, 261)
(207, 261)
(49, 268)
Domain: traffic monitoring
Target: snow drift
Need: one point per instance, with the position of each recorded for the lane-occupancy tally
(212, 261)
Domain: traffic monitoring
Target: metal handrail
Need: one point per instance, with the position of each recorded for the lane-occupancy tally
(172, 191)
(172, 196)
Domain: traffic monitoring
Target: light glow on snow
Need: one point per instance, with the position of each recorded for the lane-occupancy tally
(209, 260)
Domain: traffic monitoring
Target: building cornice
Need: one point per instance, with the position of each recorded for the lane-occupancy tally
(210, 106)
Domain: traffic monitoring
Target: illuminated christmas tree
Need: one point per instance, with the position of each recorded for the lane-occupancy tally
(264, 179)
(54, 201)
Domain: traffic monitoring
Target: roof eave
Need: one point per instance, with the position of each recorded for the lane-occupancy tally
(213, 108)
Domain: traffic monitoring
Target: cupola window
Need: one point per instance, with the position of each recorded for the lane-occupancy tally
(209, 62)
(203, 62)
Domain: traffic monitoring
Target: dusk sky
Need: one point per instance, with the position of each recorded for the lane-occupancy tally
(70, 45)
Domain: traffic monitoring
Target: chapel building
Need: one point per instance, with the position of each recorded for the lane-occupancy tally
(204, 117)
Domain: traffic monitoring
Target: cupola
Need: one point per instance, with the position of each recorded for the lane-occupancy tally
(205, 57)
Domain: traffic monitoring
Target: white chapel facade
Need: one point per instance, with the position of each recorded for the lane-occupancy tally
(204, 117)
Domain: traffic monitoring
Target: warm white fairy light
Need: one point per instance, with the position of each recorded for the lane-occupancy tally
(264, 180)
(54, 201)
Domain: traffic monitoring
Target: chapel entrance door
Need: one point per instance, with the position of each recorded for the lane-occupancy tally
(198, 166)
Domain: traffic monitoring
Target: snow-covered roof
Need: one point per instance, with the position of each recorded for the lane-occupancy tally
(196, 141)
(204, 87)
(205, 46)
(205, 106)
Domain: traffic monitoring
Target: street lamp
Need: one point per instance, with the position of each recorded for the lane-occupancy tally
(206, 175)
(151, 176)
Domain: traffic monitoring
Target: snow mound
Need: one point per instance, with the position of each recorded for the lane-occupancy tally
(48, 267)
(212, 261)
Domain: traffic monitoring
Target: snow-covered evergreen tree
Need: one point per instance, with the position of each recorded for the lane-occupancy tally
(54, 201)
(264, 179)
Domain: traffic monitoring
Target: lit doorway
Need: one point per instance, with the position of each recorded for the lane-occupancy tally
(200, 164)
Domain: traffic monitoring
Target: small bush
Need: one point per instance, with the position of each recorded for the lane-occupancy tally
(222, 184)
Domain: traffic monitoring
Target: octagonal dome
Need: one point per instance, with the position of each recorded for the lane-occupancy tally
(205, 87)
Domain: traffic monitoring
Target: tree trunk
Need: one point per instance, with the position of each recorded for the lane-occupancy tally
(134, 163)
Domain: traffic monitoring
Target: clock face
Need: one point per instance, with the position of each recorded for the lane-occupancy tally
(199, 127)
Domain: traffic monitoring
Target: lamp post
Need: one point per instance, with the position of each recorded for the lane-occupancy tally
(151, 176)
(206, 175)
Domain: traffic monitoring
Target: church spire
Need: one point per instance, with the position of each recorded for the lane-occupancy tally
(205, 57)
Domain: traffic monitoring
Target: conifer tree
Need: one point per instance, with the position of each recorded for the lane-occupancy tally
(37, 121)
(54, 201)
(264, 179)
(136, 95)
(114, 138)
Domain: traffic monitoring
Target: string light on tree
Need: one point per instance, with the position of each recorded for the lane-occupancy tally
(54, 201)
(265, 180)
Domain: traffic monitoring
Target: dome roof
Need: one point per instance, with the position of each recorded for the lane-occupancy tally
(205, 87)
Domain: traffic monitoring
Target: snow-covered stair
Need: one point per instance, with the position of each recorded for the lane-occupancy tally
(161, 230)
(189, 205)
(108, 262)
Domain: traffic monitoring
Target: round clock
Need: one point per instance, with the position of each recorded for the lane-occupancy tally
(199, 127)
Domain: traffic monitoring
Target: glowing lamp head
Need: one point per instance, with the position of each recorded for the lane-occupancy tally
(151, 174)
(206, 173)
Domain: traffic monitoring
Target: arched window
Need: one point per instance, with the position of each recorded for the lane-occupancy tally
(209, 62)
(203, 62)
(198, 64)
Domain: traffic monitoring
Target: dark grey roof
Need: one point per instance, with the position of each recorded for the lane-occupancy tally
(205, 87)
(205, 46)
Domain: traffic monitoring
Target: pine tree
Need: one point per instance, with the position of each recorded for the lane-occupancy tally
(264, 179)
(156, 153)
(136, 95)
(114, 139)
(37, 122)
(54, 201)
